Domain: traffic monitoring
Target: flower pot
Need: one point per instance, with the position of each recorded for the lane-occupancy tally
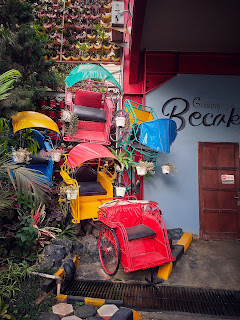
(72, 194)
(51, 114)
(87, 58)
(96, 58)
(52, 103)
(18, 156)
(91, 37)
(106, 18)
(43, 103)
(66, 58)
(56, 156)
(105, 59)
(98, 47)
(107, 48)
(75, 58)
(120, 121)
(120, 191)
(166, 169)
(56, 58)
(141, 171)
(116, 59)
(61, 105)
(107, 8)
(66, 116)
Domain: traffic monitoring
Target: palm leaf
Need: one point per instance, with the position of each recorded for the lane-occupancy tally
(28, 182)
(6, 81)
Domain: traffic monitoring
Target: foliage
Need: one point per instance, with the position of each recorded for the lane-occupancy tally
(3, 310)
(11, 277)
(123, 158)
(24, 305)
(146, 164)
(25, 52)
(6, 81)
(27, 235)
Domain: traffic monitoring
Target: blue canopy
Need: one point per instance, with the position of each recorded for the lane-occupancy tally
(158, 134)
(90, 71)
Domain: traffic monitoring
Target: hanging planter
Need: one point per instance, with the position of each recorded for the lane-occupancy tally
(120, 121)
(120, 191)
(56, 155)
(145, 167)
(66, 116)
(71, 192)
(141, 171)
(168, 168)
(20, 156)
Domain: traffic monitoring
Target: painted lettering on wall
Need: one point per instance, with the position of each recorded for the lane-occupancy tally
(177, 109)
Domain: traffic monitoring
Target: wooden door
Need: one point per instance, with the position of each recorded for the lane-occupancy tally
(218, 190)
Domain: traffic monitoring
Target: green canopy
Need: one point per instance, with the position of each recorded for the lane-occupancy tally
(90, 71)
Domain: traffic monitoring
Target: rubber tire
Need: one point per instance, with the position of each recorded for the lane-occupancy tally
(118, 251)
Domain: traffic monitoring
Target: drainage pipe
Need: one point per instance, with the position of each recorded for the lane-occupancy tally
(50, 276)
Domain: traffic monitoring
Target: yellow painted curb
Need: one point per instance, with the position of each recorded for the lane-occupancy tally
(185, 240)
(136, 315)
(94, 301)
(59, 273)
(61, 297)
(165, 270)
(76, 261)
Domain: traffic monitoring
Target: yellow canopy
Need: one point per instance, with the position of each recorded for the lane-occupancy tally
(31, 119)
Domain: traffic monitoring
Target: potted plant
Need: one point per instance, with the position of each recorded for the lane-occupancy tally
(71, 192)
(56, 154)
(168, 168)
(21, 155)
(84, 51)
(66, 115)
(123, 158)
(145, 167)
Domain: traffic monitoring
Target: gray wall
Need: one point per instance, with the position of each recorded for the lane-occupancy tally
(191, 25)
(177, 195)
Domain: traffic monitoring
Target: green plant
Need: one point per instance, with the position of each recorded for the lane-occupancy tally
(6, 81)
(123, 158)
(11, 276)
(27, 235)
(3, 311)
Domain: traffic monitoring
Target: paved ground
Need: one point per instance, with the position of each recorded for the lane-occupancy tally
(206, 264)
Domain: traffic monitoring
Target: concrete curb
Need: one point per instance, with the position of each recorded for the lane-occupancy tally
(179, 249)
(50, 284)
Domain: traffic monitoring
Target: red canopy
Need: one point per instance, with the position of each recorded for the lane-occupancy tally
(87, 151)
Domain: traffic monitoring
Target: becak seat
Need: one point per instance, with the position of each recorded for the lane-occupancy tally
(88, 106)
(86, 177)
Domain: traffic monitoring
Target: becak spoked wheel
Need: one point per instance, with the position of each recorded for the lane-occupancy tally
(109, 251)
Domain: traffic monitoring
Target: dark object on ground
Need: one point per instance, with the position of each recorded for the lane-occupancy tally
(49, 316)
(85, 311)
(123, 314)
